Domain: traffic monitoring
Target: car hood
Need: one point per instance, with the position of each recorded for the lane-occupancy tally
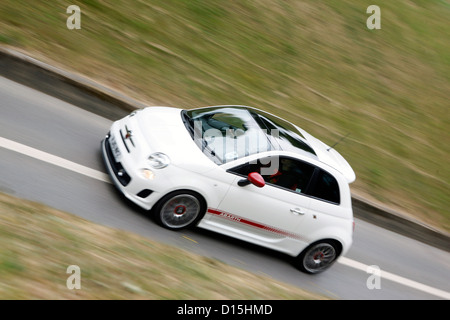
(164, 131)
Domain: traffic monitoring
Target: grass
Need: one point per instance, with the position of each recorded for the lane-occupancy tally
(313, 62)
(40, 243)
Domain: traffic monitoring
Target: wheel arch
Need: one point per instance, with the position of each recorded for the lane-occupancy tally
(337, 244)
(190, 190)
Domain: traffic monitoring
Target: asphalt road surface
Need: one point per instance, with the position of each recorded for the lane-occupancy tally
(50, 153)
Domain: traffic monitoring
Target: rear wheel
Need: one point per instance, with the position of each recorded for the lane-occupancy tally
(318, 257)
(179, 209)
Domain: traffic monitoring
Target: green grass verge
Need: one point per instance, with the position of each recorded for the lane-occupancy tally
(39, 244)
(313, 62)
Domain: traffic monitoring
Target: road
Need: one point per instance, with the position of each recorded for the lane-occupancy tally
(50, 153)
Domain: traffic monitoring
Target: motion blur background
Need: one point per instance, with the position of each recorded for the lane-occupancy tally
(313, 62)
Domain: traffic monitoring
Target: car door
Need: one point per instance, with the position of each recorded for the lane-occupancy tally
(273, 212)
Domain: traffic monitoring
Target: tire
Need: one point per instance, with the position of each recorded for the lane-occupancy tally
(318, 256)
(179, 210)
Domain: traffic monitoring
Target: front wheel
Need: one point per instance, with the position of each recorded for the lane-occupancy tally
(179, 209)
(318, 257)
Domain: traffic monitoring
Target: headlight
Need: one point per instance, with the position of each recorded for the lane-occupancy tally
(159, 160)
(148, 174)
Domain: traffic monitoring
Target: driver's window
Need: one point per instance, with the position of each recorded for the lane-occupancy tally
(285, 172)
(291, 174)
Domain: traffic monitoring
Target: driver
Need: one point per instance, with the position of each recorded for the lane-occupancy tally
(285, 176)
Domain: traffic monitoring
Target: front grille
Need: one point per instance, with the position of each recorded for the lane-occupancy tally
(127, 135)
(117, 167)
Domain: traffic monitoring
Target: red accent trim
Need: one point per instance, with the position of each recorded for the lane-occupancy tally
(254, 224)
(180, 206)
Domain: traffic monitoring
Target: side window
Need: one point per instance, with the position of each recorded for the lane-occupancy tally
(246, 168)
(291, 174)
(288, 173)
(325, 187)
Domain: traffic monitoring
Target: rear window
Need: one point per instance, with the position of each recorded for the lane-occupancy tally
(325, 188)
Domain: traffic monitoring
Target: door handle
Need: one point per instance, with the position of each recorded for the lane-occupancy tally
(297, 211)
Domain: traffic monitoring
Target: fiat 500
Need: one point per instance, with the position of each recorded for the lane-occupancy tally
(238, 171)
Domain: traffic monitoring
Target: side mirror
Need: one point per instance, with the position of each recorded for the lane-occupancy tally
(254, 178)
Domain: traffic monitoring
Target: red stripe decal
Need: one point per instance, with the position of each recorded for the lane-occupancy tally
(235, 218)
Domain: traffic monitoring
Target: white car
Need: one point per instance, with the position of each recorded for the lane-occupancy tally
(238, 171)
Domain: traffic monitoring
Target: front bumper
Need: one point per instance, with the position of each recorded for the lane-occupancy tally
(123, 180)
(116, 168)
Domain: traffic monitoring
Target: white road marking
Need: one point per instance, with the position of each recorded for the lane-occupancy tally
(52, 159)
(395, 278)
(98, 175)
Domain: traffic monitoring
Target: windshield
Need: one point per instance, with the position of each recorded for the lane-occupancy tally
(231, 132)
